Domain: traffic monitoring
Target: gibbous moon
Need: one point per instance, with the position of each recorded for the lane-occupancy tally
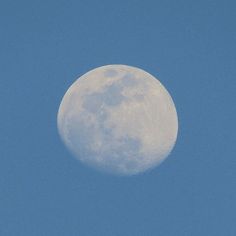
(118, 119)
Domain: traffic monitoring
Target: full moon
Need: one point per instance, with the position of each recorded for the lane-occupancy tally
(118, 119)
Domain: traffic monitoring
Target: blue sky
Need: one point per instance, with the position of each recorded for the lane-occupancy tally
(189, 46)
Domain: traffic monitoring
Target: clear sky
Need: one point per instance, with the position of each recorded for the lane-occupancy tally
(189, 45)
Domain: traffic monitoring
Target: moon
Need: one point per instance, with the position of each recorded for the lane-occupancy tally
(118, 119)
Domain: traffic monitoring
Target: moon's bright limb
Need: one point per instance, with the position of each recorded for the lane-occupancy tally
(119, 119)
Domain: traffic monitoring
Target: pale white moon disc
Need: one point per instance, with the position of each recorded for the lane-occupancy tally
(119, 119)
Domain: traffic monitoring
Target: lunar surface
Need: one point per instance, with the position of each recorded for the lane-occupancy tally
(118, 119)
